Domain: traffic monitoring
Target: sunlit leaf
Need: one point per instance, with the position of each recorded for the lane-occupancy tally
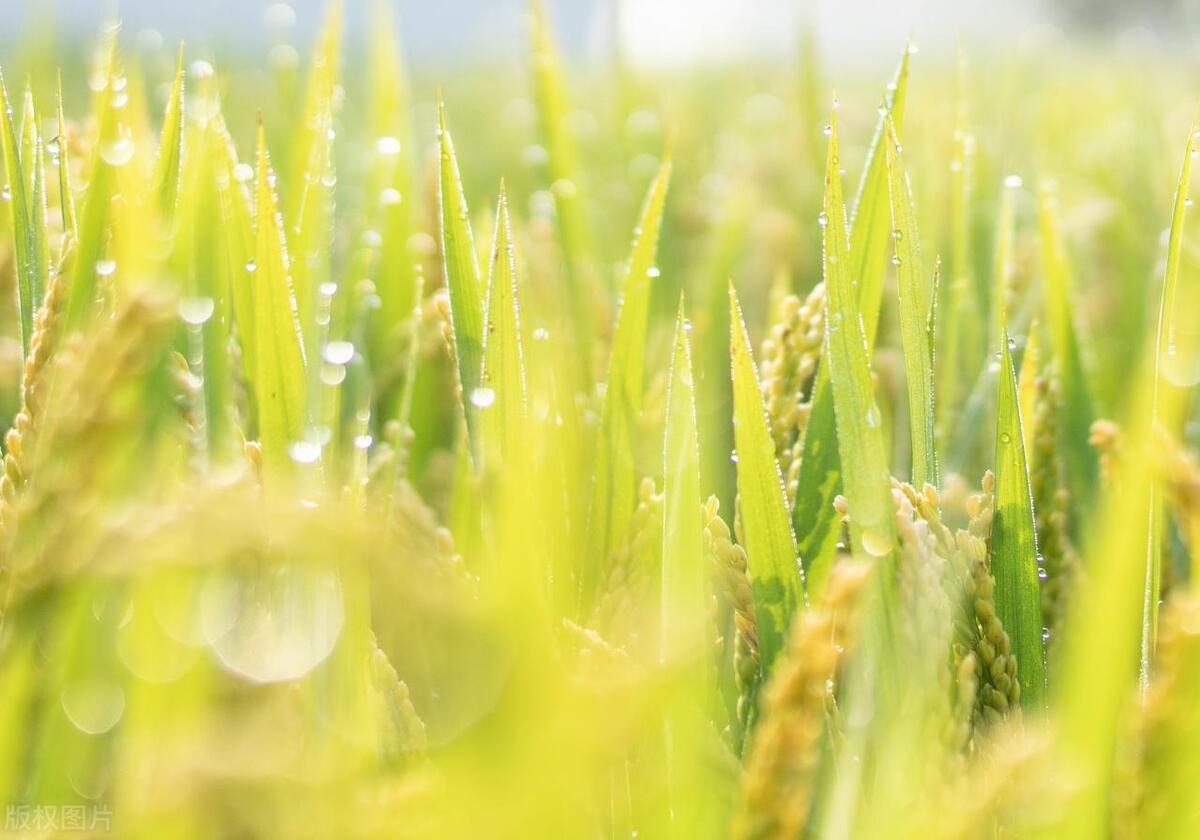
(279, 379)
(775, 568)
(1013, 544)
(916, 301)
(462, 277)
(502, 392)
(821, 473)
(865, 473)
(613, 497)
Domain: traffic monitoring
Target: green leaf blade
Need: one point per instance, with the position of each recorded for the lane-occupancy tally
(776, 574)
(503, 378)
(683, 575)
(915, 303)
(1014, 541)
(865, 475)
(279, 381)
(613, 494)
(462, 276)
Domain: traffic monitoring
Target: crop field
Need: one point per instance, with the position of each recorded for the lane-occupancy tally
(584, 449)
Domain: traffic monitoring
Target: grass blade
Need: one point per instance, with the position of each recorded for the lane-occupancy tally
(169, 166)
(682, 573)
(1014, 541)
(916, 301)
(815, 520)
(279, 381)
(775, 570)
(25, 249)
(865, 474)
(237, 238)
(390, 186)
(1174, 360)
(66, 196)
(462, 277)
(613, 493)
(310, 222)
(565, 175)
(503, 382)
(1082, 469)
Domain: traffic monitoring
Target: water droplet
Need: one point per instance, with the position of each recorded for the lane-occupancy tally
(822, 218)
(243, 172)
(653, 272)
(276, 624)
(251, 267)
(327, 289)
(371, 239)
(196, 310)
(1012, 343)
(333, 375)
(1045, 634)
(1013, 182)
(1005, 437)
(201, 70)
(1187, 202)
(897, 234)
(387, 146)
(687, 325)
(827, 131)
(105, 268)
(733, 456)
(895, 259)
(118, 152)
(541, 334)
(363, 441)
(872, 417)
(93, 706)
(877, 542)
(6, 194)
(1042, 574)
(338, 352)
(913, 49)
(483, 397)
(305, 451)
(389, 196)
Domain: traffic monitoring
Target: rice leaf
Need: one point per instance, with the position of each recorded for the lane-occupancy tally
(279, 381)
(871, 219)
(775, 569)
(1014, 541)
(1176, 348)
(102, 183)
(550, 95)
(66, 196)
(462, 278)
(683, 575)
(237, 238)
(503, 378)
(24, 236)
(865, 475)
(390, 187)
(613, 493)
(310, 221)
(169, 167)
(916, 302)
(1082, 469)
(815, 520)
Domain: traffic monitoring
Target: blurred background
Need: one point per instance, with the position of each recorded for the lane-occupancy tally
(648, 31)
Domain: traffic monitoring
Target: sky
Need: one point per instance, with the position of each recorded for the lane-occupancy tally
(651, 31)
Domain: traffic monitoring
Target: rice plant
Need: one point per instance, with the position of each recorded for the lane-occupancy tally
(515, 454)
